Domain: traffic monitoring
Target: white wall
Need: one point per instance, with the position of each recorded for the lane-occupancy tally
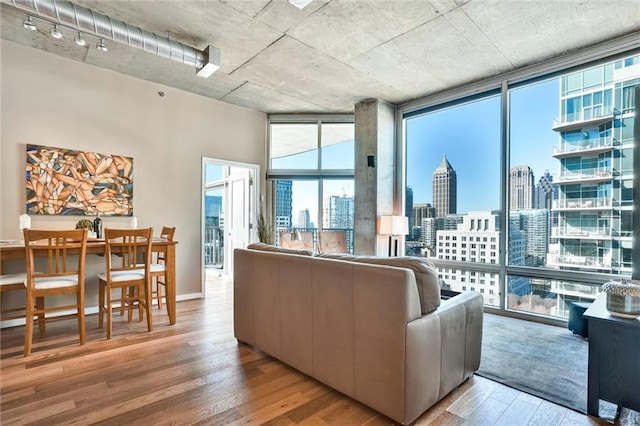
(52, 101)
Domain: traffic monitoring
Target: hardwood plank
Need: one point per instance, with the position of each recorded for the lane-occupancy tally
(518, 413)
(195, 372)
(471, 400)
(487, 413)
(547, 414)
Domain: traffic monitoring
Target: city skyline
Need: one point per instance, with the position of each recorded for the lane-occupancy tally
(473, 149)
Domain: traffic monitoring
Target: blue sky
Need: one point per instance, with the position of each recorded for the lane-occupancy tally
(469, 135)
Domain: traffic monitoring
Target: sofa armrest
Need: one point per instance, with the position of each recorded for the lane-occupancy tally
(443, 350)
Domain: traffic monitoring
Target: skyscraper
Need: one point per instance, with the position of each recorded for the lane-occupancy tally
(422, 211)
(595, 155)
(534, 225)
(304, 219)
(445, 186)
(408, 206)
(340, 214)
(521, 185)
(284, 190)
(544, 193)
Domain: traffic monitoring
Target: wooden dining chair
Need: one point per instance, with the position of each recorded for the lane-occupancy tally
(128, 260)
(158, 267)
(62, 272)
(9, 283)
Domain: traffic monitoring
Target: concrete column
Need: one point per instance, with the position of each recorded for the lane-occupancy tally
(374, 182)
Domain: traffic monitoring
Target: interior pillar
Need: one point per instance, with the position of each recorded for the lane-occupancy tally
(374, 173)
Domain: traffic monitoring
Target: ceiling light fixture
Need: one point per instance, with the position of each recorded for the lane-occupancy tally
(101, 46)
(300, 4)
(28, 24)
(80, 41)
(55, 32)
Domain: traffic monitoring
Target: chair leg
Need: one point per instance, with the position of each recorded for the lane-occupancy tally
(159, 293)
(101, 290)
(148, 305)
(123, 300)
(81, 327)
(28, 333)
(109, 311)
(40, 309)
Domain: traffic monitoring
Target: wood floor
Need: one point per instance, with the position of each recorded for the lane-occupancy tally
(195, 372)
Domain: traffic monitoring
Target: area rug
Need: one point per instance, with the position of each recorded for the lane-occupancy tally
(543, 360)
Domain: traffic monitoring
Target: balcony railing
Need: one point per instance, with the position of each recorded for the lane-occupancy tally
(585, 115)
(584, 145)
(583, 174)
(314, 232)
(587, 262)
(571, 231)
(582, 203)
(574, 289)
(213, 246)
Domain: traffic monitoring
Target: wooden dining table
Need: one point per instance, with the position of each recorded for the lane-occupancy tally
(14, 250)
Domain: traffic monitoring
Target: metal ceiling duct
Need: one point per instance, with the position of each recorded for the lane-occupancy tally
(102, 26)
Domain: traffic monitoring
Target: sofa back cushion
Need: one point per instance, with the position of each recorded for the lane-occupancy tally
(424, 271)
(269, 247)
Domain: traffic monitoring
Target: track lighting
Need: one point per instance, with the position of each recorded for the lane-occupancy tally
(80, 41)
(28, 24)
(101, 46)
(55, 32)
(88, 24)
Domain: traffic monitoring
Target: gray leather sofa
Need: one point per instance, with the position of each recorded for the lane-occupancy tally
(359, 326)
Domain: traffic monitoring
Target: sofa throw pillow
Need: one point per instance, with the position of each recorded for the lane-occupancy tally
(269, 247)
(424, 271)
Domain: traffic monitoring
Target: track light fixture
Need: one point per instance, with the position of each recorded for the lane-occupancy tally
(80, 41)
(55, 32)
(87, 23)
(28, 24)
(101, 46)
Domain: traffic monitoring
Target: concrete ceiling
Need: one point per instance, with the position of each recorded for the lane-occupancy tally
(332, 54)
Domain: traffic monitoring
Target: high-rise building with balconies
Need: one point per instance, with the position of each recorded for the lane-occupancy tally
(595, 154)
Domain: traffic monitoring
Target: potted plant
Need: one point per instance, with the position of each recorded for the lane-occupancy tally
(86, 224)
(266, 230)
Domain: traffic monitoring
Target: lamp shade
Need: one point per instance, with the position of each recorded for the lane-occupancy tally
(393, 225)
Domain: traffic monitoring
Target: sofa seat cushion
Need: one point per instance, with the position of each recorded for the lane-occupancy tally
(269, 247)
(425, 273)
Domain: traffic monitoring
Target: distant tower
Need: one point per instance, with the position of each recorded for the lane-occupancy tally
(284, 189)
(408, 205)
(444, 189)
(304, 219)
(544, 192)
(521, 188)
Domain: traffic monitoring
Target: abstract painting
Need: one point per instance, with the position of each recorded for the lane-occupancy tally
(67, 182)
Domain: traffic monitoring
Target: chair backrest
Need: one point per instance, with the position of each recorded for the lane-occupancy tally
(57, 246)
(131, 246)
(167, 233)
(332, 242)
(307, 240)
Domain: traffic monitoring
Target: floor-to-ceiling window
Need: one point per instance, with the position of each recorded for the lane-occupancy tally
(555, 154)
(453, 170)
(311, 160)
